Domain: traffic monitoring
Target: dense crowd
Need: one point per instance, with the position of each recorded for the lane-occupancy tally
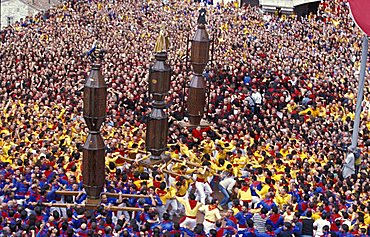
(282, 94)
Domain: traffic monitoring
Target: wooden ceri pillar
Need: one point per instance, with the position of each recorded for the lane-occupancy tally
(159, 85)
(199, 57)
(94, 112)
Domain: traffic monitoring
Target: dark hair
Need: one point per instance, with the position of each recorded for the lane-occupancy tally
(309, 213)
(166, 216)
(162, 186)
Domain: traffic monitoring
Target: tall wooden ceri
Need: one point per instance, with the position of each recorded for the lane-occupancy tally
(94, 112)
(159, 85)
(93, 164)
(200, 45)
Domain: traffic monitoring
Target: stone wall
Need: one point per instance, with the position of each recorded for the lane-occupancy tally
(14, 10)
(287, 6)
(285, 3)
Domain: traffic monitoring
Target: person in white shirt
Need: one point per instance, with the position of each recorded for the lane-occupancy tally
(226, 184)
(319, 224)
(256, 100)
(349, 164)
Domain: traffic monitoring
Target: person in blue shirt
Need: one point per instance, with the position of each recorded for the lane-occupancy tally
(153, 199)
(177, 230)
(326, 231)
(106, 201)
(243, 216)
(275, 219)
(268, 202)
(22, 187)
(230, 220)
(250, 231)
(269, 232)
(108, 231)
(166, 224)
(198, 231)
(255, 186)
(343, 231)
(303, 204)
(225, 231)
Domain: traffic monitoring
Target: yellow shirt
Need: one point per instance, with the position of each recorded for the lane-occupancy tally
(245, 195)
(183, 189)
(211, 214)
(174, 155)
(5, 158)
(282, 199)
(264, 190)
(189, 211)
(316, 216)
(241, 161)
(170, 194)
(207, 146)
(203, 174)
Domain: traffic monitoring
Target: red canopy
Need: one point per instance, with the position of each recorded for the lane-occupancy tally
(361, 14)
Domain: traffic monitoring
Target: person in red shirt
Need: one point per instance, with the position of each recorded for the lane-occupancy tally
(197, 132)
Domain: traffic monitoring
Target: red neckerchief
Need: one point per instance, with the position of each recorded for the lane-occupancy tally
(156, 184)
(161, 192)
(233, 219)
(256, 183)
(251, 230)
(193, 203)
(268, 201)
(211, 207)
(274, 218)
(245, 188)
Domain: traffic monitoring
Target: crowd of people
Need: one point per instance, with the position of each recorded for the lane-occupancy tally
(281, 101)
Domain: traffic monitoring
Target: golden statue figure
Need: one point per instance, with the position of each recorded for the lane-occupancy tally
(162, 44)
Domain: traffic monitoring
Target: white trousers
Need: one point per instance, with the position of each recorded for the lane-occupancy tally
(203, 190)
(208, 226)
(189, 223)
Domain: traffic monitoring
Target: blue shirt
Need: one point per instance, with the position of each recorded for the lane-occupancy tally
(243, 217)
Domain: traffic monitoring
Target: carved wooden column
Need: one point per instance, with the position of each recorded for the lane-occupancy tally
(94, 112)
(199, 57)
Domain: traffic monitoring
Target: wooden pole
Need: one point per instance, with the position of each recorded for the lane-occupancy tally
(76, 193)
(147, 165)
(113, 208)
(187, 162)
(117, 208)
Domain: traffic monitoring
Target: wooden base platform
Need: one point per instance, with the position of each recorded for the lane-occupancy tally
(203, 124)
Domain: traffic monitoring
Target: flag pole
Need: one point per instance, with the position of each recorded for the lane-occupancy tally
(360, 93)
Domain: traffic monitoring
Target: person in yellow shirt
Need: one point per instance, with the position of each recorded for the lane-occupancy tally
(211, 215)
(201, 184)
(181, 187)
(239, 162)
(194, 155)
(218, 153)
(4, 157)
(222, 165)
(282, 197)
(167, 196)
(174, 151)
(191, 210)
(208, 145)
(265, 188)
(244, 193)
